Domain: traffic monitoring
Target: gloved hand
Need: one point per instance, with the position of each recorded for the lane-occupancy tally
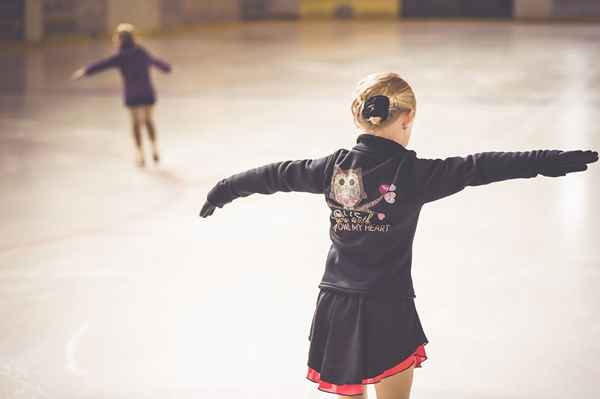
(218, 196)
(559, 163)
(207, 209)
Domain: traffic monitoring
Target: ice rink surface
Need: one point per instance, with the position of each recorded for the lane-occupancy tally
(111, 286)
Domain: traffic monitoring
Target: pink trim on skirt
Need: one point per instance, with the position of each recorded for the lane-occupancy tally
(418, 357)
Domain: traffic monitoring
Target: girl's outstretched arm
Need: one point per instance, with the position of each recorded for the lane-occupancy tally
(306, 175)
(442, 177)
(110, 62)
(163, 65)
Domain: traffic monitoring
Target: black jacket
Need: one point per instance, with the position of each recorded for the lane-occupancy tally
(375, 192)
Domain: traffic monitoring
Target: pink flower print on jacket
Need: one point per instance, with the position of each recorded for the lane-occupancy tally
(387, 190)
(388, 194)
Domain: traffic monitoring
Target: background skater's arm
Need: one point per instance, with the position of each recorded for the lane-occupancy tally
(160, 64)
(440, 178)
(163, 65)
(110, 62)
(306, 175)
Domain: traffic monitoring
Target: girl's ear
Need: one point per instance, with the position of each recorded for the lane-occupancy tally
(410, 116)
(406, 118)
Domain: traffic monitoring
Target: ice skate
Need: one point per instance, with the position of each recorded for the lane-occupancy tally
(139, 160)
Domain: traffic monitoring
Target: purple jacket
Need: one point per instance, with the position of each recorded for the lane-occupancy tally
(134, 64)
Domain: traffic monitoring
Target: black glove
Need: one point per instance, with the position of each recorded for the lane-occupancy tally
(559, 163)
(218, 196)
(207, 209)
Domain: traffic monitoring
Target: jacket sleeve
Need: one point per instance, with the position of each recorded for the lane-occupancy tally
(110, 62)
(163, 65)
(306, 175)
(439, 178)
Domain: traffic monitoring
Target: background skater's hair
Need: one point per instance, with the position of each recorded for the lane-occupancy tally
(125, 34)
(397, 90)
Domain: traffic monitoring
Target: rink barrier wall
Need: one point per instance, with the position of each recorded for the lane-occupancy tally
(349, 8)
(36, 20)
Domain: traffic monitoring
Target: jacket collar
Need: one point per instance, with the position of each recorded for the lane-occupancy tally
(372, 144)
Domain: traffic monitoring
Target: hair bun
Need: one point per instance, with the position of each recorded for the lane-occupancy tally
(376, 109)
(375, 120)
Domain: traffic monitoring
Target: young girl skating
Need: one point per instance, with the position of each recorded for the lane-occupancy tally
(365, 328)
(134, 63)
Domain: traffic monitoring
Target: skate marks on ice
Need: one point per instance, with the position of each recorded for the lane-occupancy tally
(18, 382)
(172, 185)
(71, 351)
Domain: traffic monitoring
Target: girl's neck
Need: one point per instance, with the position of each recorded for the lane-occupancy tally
(398, 138)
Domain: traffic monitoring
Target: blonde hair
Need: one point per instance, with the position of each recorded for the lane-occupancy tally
(125, 27)
(401, 96)
(125, 32)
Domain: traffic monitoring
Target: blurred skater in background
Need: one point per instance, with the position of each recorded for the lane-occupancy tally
(134, 63)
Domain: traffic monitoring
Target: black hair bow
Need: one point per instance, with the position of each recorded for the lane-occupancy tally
(378, 106)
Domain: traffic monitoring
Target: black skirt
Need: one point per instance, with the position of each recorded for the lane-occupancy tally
(357, 339)
(140, 101)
